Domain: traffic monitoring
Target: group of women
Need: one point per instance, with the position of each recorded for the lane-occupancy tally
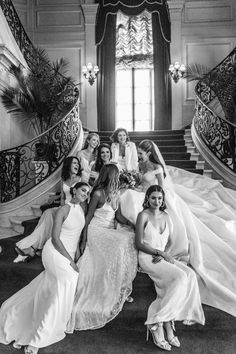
(185, 226)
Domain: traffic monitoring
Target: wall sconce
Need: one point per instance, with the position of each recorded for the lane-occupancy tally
(176, 71)
(90, 72)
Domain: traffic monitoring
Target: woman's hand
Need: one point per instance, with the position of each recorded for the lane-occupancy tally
(167, 257)
(74, 266)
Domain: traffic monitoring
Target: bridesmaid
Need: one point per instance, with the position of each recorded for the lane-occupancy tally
(124, 152)
(37, 315)
(87, 156)
(178, 296)
(31, 245)
(103, 158)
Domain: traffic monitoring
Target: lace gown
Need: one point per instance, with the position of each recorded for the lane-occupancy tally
(178, 297)
(107, 269)
(204, 217)
(43, 230)
(38, 314)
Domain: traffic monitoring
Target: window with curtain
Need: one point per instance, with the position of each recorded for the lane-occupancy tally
(134, 72)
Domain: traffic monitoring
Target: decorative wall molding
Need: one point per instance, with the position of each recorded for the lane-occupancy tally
(58, 20)
(208, 11)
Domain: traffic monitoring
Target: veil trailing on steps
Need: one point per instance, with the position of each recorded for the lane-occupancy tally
(204, 218)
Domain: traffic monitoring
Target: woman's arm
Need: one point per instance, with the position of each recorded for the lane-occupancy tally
(134, 157)
(139, 236)
(63, 197)
(122, 219)
(60, 217)
(160, 176)
(93, 205)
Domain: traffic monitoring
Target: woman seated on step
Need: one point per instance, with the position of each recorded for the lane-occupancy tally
(103, 157)
(30, 245)
(109, 262)
(124, 152)
(87, 156)
(178, 297)
(37, 315)
(204, 216)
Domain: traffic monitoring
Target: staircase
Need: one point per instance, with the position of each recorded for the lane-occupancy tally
(176, 147)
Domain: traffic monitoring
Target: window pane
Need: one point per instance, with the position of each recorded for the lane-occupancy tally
(142, 112)
(124, 112)
(142, 95)
(124, 124)
(142, 78)
(123, 95)
(123, 78)
(142, 125)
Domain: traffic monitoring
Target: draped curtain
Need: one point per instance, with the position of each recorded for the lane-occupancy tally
(106, 57)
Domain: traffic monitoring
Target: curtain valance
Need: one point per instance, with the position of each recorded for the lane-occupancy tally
(108, 8)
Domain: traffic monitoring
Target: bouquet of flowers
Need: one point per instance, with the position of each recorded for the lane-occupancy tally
(129, 179)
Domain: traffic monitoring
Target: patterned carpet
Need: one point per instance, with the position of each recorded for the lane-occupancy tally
(126, 333)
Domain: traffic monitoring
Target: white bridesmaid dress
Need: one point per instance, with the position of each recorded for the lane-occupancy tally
(43, 230)
(38, 314)
(178, 297)
(203, 213)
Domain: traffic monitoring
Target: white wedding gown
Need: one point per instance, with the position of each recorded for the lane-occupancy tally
(204, 217)
(178, 297)
(37, 315)
(107, 270)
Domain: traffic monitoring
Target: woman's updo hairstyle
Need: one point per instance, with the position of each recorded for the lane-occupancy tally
(77, 186)
(150, 190)
(148, 146)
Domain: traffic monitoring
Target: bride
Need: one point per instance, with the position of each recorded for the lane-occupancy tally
(204, 216)
(109, 262)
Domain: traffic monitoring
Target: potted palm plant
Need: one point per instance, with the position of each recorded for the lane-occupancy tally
(38, 96)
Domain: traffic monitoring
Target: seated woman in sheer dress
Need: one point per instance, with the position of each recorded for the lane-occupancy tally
(28, 246)
(37, 315)
(124, 152)
(178, 297)
(109, 261)
(204, 216)
(87, 156)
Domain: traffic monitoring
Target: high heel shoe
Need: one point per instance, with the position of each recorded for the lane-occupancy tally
(31, 350)
(163, 344)
(174, 341)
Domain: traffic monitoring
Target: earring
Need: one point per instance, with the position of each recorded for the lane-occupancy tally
(147, 205)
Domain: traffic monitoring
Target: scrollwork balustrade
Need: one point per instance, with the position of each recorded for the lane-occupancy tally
(25, 166)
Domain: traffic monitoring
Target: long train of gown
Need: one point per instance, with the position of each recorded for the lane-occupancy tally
(178, 297)
(204, 217)
(37, 315)
(43, 230)
(107, 269)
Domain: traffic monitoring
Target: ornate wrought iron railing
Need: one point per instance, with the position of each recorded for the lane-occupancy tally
(24, 166)
(27, 165)
(218, 133)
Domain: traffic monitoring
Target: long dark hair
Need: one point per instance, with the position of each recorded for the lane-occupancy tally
(147, 146)
(99, 162)
(108, 179)
(114, 137)
(89, 136)
(65, 172)
(150, 190)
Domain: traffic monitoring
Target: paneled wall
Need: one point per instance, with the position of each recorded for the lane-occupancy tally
(58, 26)
(202, 32)
(205, 34)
